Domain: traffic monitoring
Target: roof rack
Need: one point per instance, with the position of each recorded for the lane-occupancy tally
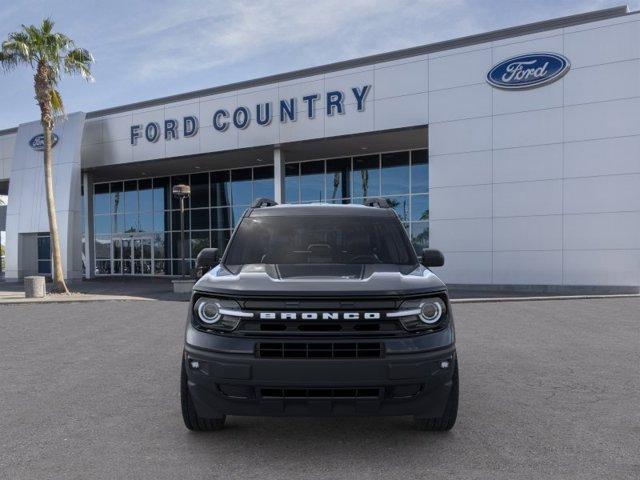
(375, 202)
(263, 202)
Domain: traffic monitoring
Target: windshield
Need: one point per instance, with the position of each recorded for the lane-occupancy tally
(309, 239)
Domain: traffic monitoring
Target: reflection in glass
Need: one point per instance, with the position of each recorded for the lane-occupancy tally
(263, 182)
(146, 222)
(159, 245)
(130, 222)
(176, 221)
(161, 194)
(312, 181)
(420, 236)
(200, 190)
(366, 176)
(145, 195)
(117, 249)
(177, 180)
(220, 190)
(419, 171)
(102, 224)
(200, 219)
(199, 240)
(220, 218)
(116, 197)
(102, 246)
(131, 196)
(292, 182)
(101, 198)
(220, 239)
(400, 205)
(395, 173)
(338, 179)
(241, 192)
(420, 207)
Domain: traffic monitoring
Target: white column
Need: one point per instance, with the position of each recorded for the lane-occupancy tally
(278, 175)
(87, 203)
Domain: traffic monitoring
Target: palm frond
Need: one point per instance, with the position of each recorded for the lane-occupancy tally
(78, 61)
(56, 102)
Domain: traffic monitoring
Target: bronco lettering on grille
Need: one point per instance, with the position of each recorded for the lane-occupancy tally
(319, 316)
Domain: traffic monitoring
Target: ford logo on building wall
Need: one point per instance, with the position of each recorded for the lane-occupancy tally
(528, 71)
(37, 142)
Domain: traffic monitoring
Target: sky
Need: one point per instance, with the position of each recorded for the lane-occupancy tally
(147, 49)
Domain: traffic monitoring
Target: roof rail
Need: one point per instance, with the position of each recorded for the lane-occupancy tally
(375, 202)
(263, 202)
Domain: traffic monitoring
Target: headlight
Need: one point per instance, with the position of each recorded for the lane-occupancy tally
(422, 314)
(215, 314)
(208, 311)
(431, 311)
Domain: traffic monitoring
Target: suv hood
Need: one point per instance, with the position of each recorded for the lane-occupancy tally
(320, 280)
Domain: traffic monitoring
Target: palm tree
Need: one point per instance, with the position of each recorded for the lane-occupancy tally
(49, 54)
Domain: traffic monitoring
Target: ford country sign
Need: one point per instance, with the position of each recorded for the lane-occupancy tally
(528, 71)
(37, 142)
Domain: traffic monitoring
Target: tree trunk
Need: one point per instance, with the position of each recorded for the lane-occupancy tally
(46, 118)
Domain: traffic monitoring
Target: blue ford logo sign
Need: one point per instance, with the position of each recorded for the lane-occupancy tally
(37, 142)
(528, 71)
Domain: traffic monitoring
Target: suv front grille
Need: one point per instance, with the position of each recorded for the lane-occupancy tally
(368, 392)
(359, 350)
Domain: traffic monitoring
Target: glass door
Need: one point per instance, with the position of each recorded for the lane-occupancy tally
(142, 256)
(132, 255)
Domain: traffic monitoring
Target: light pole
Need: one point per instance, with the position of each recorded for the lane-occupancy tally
(182, 192)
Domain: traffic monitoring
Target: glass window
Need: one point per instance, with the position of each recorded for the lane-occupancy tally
(44, 247)
(145, 221)
(236, 215)
(101, 198)
(400, 205)
(160, 243)
(420, 207)
(395, 173)
(131, 196)
(116, 197)
(179, 180)
(161, 194)
(199, 240)
(220, 218)
(117, 248)
(241, 191)
(145, 195)
(200, 219)
(131, 222)
(366, 176)
(338, 181)
(263, 182)
(220, 191)
(44, 267)
(312, 181)
(102, 224)
(420, 236)
(420, 171)
(117, 223)
(200, 190)
(175, 245)
(175, 220)
(292, 182)
(219, 239)
(161, 267)
(161, 221)
(103, 247)
(103, 267)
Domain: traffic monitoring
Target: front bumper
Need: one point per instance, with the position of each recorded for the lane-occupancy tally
(231, 380)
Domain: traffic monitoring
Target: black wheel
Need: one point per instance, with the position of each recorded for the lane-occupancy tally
(191, 419)
(448, 418)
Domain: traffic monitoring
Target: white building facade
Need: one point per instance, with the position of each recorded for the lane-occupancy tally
(515, 152)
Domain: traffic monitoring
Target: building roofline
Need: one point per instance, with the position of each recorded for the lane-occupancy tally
(529, 28)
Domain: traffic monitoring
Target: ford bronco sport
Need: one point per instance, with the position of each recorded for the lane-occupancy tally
(315, 310)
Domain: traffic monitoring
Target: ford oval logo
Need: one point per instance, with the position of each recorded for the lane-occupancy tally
(528, 71)
(37, 142)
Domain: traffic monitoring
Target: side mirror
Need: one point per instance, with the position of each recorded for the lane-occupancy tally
(432, 257)
(206, 260)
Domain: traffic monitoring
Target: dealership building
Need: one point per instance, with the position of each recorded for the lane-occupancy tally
(516, 152)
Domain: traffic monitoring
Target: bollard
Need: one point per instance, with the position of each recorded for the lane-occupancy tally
(34, 287)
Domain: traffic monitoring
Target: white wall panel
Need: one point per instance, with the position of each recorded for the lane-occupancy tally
(397, 112)
(350, 122)
(466, 267)
(549, 41)
(460, 136)
(460, 202)
(601, 120)
(601, 267)
(471, 168)
(542, 232)
(116, 127)
(614, 193)
(346, 82)
(602, 231)
(302, 129)
(507, 101)
(464, 235)
(459, 69)
(602, 157)
(599, 83)
(402, 79)
(603, 45)
(531, 268)
(459, 103)
(527, 198)
(540, 162)
(528, 128)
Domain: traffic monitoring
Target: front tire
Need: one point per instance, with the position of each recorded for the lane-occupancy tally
(191, 419)
(448, 418)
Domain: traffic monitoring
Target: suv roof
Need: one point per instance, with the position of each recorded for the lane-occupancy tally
(320, 209)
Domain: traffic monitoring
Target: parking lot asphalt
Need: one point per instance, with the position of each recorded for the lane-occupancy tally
(549, 389)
